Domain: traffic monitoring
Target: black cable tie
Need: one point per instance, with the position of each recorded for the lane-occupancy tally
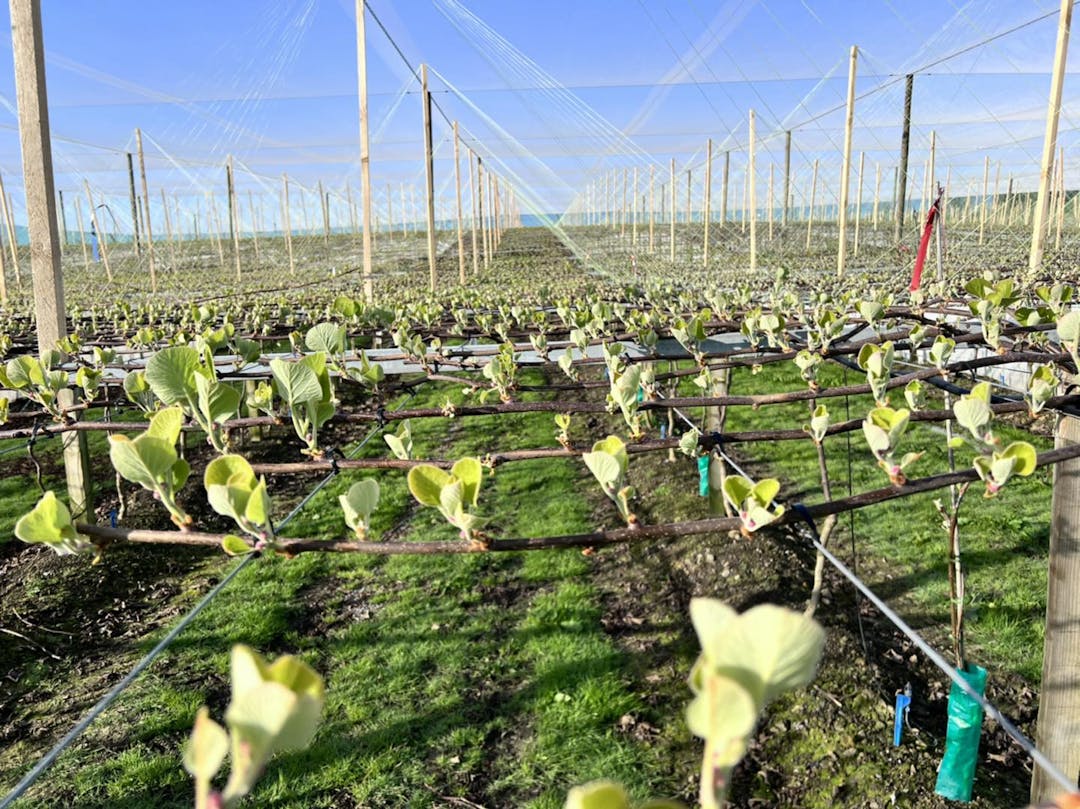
(435, 364)
(33, 435)
(804, 512)
(331, 455)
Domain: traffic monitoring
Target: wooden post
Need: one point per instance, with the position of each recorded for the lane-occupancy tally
(672, 237)
(724, 180)
(707, 208)
(82, 235)
(877, 192)
(1058, 734)
(49, 309)
(810, 210)
(985, 197)
(234, 215)
(64, 242)
(134, 206)
(1060, 197)
(146, 221)
(475, 215)
(751, 179)
(480, 185)
(652, 208)
(254, 225)
(634, 212)
(787, 178)
(9, 224)
(770, 202)
(905, 142)
(286, 220)
(457, 189)
(429, 174)
(102, 247)
(324, 207)
(1053, 110)
(845, 170)
(168, 229)
(858, 203)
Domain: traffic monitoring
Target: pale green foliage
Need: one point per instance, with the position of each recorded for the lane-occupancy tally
(501, 371)
(991, 303)
(139, 392)
(914, 394)
(995, 466)
(151, 461)
(358, 504)
(819, 424)
(691, 334)
(877, 361)
(808, 363)
(610, 795)
(36, 380)
(562, 421)
(180, 375)
(746, 662)
(49, 522)
(608, 462)
(234, 491)
(883, 429)
(688, 443)
(305, 388)
(274, 708)
(941, 351)
(453, 493)
(401, 443)
(752, 501)
(1042, 386)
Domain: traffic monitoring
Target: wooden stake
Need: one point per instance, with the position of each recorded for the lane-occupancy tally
(49, 309)
(1053, 110)
(287, 221)
(234, 216)
(672, 235)
(707, 207)
(168, 229)
(858, 203)
(769, 202)
(457, 189)
(481, 184)
(324, 206)
(724, 180)
(985, 197)
(135, 236)
(905, 142)
(1058, 725)
(9, 224)
(877, 192)
(102, 247)
(787, 178)
(82, 236)
(845, 171)
(146, 219)
(254, 225)
(633, 213)
(810, 209)
(652, 209)
(429, 174)
(475, 215)
(752, 183)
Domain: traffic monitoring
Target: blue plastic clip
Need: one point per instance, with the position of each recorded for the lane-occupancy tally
(663, 431)
(112, 518)
(900, 718)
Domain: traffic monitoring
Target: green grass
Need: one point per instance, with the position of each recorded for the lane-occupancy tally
(901, 543)
(487, 676)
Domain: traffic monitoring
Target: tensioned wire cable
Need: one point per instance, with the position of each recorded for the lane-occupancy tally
(103, 704)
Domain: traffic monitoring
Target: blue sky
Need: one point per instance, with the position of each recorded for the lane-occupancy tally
(555, 94)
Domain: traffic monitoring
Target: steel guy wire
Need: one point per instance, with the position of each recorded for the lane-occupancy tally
(103, 704)
(936, 658)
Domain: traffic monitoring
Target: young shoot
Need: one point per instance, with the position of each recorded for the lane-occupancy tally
(608, 462)
(454, 493)
(752, 501)
(995, 466)
(151, 461)
(883, 428)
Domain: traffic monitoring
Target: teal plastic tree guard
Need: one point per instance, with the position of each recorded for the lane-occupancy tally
(956, 775)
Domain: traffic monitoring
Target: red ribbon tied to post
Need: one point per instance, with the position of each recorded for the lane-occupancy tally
(924, 242)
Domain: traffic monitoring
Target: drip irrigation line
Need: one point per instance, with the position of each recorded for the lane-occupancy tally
(936, 658)
(103, 704)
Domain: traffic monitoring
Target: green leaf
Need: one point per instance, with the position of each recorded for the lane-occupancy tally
(1024, 455)
(328, 337)
(171, 374)
(49, 522)
(297, 382)
(166, 425)
(765, 490)
(397, 446)
(1068, 326)
(605, 468)
(723, 709)
(146, 460)
(222, 470)
(711, 618)
(598, 795)
(470, 472)
(426, 483)
(257, 509)
(973, 414)
(361, 500)
(737, 489)
(451, 501)
(235, 546)
(218, 401)
(207, 747)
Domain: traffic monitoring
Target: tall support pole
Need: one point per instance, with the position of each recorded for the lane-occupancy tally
(475, 216)
(810, 208)
(652, 209)
(787, 178)
(902, 176)
(102, 241)
(858, 203)
(254, 224)
(134, 206)
(429, 175)
(324, 205)
(770, 202)
(845, 170)
(930, 192)
(234, 216)
(287, 222)
(481, 183)
(877, 192)
(1058, 726)
(995, 208)
(82, 235)
(751, 179)
(457, 189)
(634, 212)
(672, 236)
(63, 222)
(707, 207)
(724, 182)
(1053, 110)
(146, 219)
(622, 210)
(985, 197)
(48, 281)
(168, 229)
(390, 212)
(9, 223)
